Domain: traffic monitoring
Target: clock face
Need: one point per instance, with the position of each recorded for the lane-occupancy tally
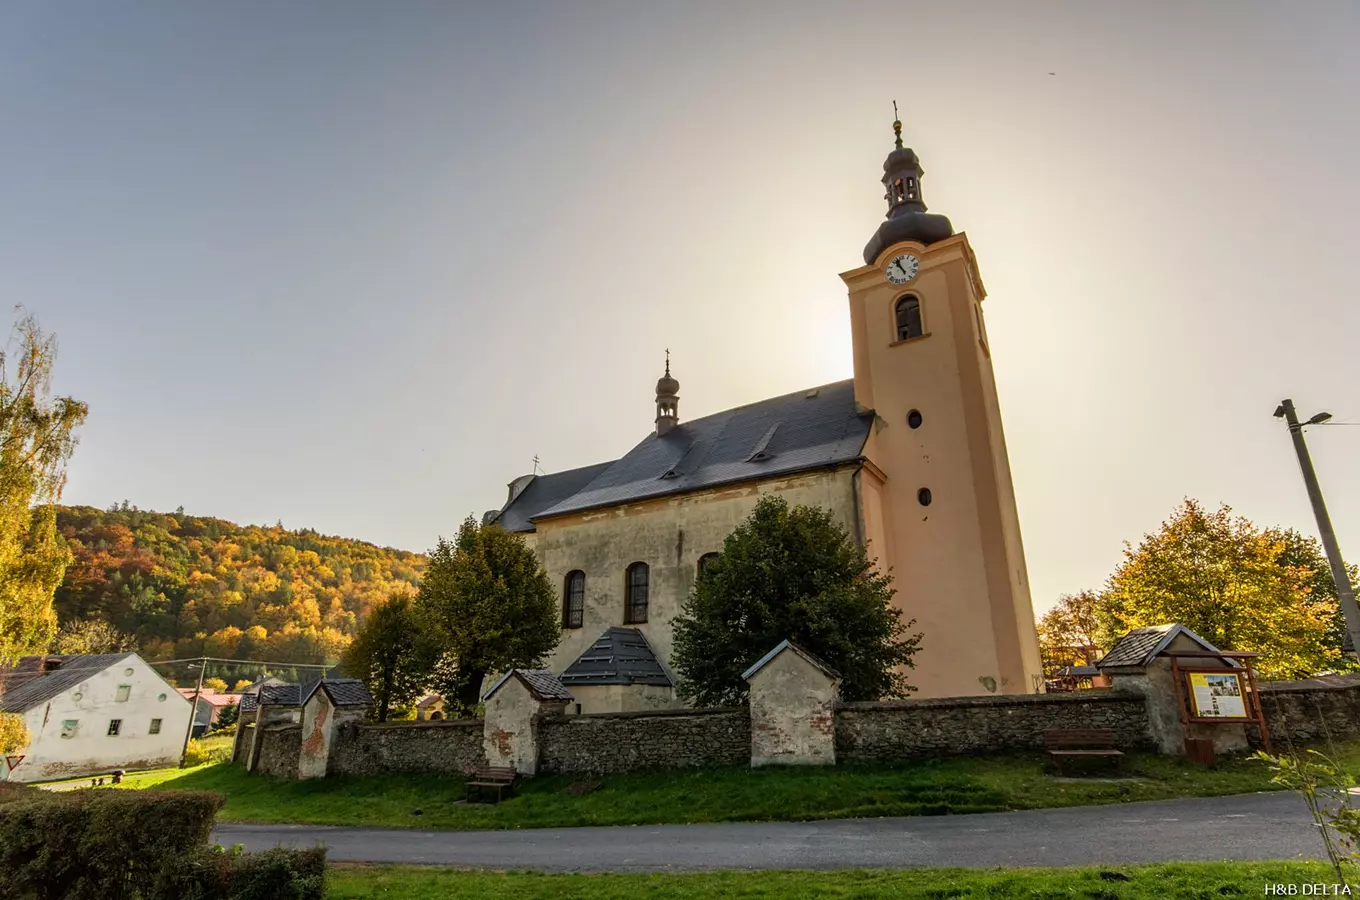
(903, 268)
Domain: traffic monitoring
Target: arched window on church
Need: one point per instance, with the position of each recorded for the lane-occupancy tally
(704, 562)
(908, 312)
(635, 607)
(574, 600)
(899, 191)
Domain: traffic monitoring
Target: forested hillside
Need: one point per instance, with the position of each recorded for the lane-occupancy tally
(190, 585)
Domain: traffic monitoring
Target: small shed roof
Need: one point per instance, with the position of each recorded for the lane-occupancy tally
(343, 692)
(790, 645)
(281, 695)
(1140, 646)
(544, 685)
(429, 700)
(619, 656)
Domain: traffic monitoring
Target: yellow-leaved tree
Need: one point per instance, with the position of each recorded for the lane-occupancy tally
(37, 435)
(1232, 584)
(1069, 633)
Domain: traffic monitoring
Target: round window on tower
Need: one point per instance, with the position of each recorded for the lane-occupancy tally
(914, 419)
(161, 698)
(923, 496)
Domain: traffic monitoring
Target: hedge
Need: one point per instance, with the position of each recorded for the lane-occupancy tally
(137, 845)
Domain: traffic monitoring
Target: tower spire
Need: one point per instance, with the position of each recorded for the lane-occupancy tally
(667, 400)
(907, 219)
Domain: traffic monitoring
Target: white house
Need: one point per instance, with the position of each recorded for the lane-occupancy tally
(92, 714)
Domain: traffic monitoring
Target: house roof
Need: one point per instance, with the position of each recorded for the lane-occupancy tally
(25, 685)
(343, 692)
(428, 701)
(544, 685)
(280, 695)
(809, 429)
(1078, 671)
(209, 696)
(1141, 645)
(619, 656)
(790, 645)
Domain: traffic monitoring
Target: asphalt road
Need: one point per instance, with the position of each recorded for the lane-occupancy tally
(1243, 827)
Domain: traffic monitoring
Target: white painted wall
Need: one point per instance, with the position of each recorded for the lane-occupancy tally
(92, 704)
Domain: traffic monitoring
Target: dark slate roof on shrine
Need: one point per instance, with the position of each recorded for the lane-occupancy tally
(810, 429)
(249, 702)
(343, 691)
(281, 695)
(619, 656)
(543, 684)
(1141, 645)
(25, 685)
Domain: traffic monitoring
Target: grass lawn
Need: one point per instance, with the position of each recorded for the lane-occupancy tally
(933, 787)
(1160, 882)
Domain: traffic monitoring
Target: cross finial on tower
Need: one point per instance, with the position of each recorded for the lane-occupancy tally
(536, 464)
(668, 362)
(897, 126)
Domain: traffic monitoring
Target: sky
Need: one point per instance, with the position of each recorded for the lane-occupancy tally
(353, 265)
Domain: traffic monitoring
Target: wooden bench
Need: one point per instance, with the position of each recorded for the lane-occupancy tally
(1094, 743)
(498, 777)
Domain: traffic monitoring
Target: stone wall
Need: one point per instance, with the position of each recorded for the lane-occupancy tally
(606, 743)
(1308, 711)
(447, 747)
(893, 730)
(280, 746)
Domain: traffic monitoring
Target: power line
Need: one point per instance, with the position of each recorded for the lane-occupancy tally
(243, 662)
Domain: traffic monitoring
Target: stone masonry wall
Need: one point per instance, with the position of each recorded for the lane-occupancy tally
(893, 730)
(449, 747)
(1310, 711)
(280, 746)
(605, 743)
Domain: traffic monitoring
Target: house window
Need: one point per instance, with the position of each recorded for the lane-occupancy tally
(574, 600)
(124, 691)
(69, 727)
(705, 561)
(155, 727)
(115, 726)
(636, 607)
(908, 311)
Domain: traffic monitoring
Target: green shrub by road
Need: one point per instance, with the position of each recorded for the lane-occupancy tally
(935, 787)
(1160, 882)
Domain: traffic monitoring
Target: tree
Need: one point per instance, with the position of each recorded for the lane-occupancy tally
(391, 655)
(92, 636)
(227, 716)
(488, 606)
(1231, 584)
(37, 437)
(214, 684)
(1069, 632)
(14, 734)
(1305, 554)
(795, 574)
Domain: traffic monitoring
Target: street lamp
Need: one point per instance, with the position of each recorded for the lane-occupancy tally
(1345, 595)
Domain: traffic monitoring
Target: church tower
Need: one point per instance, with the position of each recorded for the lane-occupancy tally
(667, 401)
(938, 504)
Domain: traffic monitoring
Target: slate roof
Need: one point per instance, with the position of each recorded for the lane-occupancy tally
(281, 695)
(810, 429)
(544, 685)
(619, 656)
(546, 491)
(790, 645)
(25, 685)
(343, 692)
(1140, 646)
(249, 702)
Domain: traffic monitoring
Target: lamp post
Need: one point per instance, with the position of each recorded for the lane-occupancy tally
(1345, 594)
(202, 665)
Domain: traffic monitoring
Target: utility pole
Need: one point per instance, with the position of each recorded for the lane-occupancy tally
(1345, 594)
(193, 712)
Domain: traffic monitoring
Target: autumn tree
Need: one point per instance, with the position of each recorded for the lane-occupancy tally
(1069, 632)
(1305, 554)
(391, 655)
(1229, 582)
(92, 636)
(489, 607)
(791, 574)
(37, 436)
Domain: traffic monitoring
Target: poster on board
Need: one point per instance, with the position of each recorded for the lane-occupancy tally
(1218, 695)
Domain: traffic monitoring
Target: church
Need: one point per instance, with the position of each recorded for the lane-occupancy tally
(908, 455)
